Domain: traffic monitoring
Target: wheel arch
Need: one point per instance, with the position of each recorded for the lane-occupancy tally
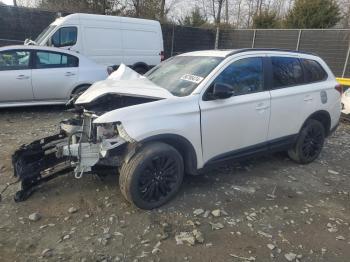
(182, 145)
(141, 64)
(78, 86)
(323, 117)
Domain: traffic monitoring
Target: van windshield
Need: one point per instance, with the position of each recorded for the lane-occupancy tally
(181, 75)
(44, 33)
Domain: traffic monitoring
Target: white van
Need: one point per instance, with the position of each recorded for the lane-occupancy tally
(108, 40)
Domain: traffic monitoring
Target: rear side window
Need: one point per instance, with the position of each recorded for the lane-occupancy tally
(287, 71)
(55, 60)
(313, 71)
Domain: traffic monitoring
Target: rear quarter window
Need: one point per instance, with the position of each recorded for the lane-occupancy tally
(313, 71)
(287, 71)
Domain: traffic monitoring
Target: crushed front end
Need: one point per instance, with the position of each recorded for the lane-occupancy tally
(79, 147)
(82, 146)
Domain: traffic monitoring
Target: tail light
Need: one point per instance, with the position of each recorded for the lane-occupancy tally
(339, 88)
(162, 57)
(110, 70)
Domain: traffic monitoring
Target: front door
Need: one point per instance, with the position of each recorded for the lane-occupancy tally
(15, 76)
(239, 123)
(54, 74)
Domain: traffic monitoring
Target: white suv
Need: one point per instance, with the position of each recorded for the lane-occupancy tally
(189, 112)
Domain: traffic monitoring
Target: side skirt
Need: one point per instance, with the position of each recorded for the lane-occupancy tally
(276, 145)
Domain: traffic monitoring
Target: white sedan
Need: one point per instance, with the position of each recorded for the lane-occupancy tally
(33, 75)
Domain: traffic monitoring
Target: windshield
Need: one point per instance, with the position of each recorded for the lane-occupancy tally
(44, 33)
(180, 75)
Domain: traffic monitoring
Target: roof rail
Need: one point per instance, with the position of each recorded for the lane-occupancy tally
(242, 50)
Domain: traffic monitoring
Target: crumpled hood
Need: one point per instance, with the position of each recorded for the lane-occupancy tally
(124, 81)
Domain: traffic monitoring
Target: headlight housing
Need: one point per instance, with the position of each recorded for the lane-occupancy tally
(106, 131)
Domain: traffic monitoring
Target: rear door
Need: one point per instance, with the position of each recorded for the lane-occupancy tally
(15, 76)
(54, 75)
(292, 101)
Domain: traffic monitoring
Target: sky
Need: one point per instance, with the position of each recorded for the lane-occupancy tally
(8, 2)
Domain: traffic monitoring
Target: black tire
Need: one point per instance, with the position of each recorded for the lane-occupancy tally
(309, 143)
(152, 176)
(140, 69)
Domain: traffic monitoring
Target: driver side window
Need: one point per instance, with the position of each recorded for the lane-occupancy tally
(245, 76)
(65, 36)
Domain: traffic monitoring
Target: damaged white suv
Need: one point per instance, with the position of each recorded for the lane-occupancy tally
(189, 112)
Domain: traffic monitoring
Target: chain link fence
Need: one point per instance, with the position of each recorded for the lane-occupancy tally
(333, 45)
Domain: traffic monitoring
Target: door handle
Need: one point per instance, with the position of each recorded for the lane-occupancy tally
(20, 77)
(308, 98)
(261, 106)
(69, 74)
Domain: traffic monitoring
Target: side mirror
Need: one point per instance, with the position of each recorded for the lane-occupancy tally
(55, 39)
(222, 91)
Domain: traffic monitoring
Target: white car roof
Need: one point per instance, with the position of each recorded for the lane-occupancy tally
(226, 52)
(215, 53)
(37, 47)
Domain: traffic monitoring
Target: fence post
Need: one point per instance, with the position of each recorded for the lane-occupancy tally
(216, 45)
(299, 37)
(254, 36)
(172, 41)
(346, 59)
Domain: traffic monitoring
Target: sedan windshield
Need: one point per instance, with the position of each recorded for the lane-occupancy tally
(180, 75)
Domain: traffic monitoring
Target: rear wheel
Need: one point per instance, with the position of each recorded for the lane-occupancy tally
(79, 90)
(152, 176)
(309, 143)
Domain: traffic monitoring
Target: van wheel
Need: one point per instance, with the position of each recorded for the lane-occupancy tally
(309, 143)
(152, 176)
(141, 70)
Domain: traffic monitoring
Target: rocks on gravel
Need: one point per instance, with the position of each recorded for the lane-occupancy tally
(216, 212)
(271, 247)
(72, 210)
(340, 238)
(216, 226)
(290, 256)
(46, 252)
(34, 216)
(198, 212)
(189, 237)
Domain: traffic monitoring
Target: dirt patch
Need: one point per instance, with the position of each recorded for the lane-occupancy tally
(270, 209)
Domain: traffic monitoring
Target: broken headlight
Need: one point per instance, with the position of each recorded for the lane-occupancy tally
(123, 134)
(106, 131)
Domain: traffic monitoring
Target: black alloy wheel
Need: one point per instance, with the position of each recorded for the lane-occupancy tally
(309, 143)
(152, 176)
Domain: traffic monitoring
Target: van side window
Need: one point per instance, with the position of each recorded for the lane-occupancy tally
(45, 59)
(65, 36)
(313, 71)
(245, 76)
(287, 71)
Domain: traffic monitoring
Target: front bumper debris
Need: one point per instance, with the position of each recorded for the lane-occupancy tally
(37, 162)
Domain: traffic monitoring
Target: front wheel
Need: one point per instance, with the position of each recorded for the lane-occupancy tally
(152, 176)
(309, 143)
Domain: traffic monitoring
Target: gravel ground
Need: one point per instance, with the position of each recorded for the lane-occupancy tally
(264, 209)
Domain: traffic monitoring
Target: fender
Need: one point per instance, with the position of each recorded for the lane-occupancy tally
(322, 116)
(180, 143)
